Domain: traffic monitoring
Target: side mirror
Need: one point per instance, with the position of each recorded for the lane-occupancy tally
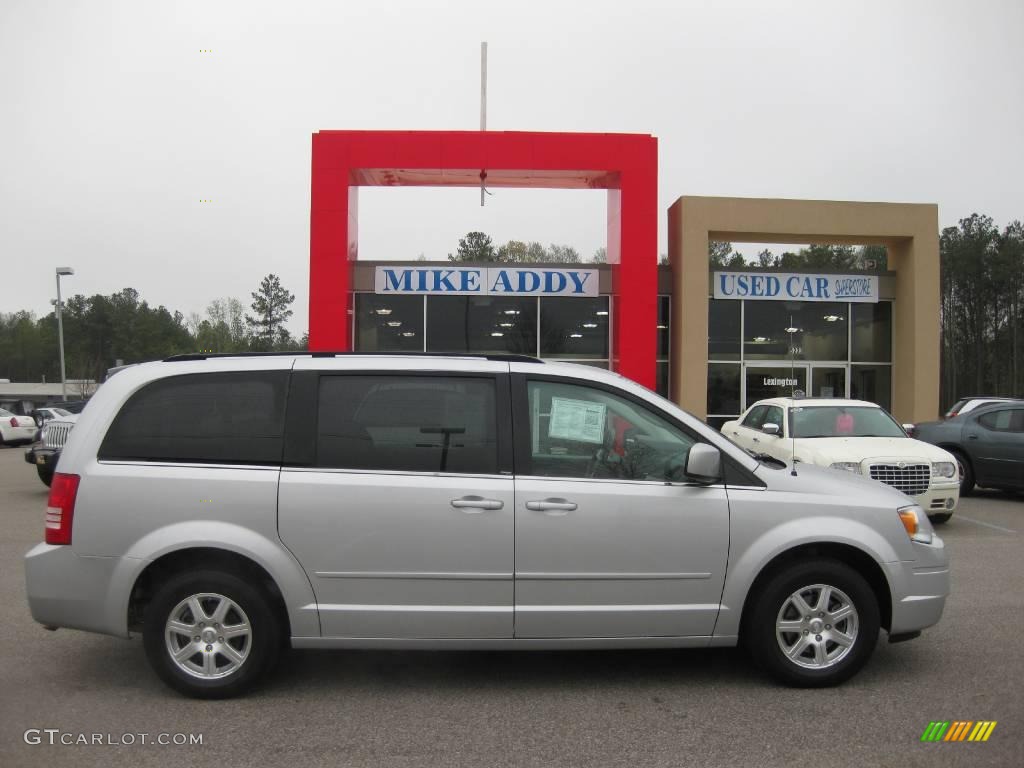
(704, 464)
(771, 429)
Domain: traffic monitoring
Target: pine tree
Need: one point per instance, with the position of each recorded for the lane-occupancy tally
(271, 306)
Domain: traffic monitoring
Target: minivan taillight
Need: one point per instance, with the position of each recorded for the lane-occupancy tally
(60, 508)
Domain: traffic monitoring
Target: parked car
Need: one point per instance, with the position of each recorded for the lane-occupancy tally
(855, 436)
(361, 501)
(48, 413)
(969, 403)
(987, 442)
(46, 452)
(16, 429)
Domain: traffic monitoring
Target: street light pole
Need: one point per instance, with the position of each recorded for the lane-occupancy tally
(60, 332)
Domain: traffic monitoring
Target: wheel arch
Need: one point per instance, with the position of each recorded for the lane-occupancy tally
(196, 558)
(855, 558)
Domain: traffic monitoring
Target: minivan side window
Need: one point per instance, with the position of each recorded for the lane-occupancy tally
(408, 423)
(217, 418)
(585, 432)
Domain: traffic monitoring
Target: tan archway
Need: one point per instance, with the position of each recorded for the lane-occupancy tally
(909, 231)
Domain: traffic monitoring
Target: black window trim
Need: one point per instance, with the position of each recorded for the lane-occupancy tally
(733, 474)
(303, 410)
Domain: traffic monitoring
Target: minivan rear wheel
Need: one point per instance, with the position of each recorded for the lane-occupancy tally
(210, 634)
(813, 624)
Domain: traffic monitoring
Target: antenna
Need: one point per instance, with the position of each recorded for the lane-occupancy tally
(792, 393)
(483, 114)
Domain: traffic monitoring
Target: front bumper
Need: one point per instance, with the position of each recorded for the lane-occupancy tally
(919, 588)
(68, 590)
(46, 458)
(939, 499)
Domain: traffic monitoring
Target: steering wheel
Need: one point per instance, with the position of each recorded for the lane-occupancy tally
(604, 461)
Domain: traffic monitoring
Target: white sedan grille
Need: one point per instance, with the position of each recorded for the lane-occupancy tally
(912, 479)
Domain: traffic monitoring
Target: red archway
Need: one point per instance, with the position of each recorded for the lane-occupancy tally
(624, 164)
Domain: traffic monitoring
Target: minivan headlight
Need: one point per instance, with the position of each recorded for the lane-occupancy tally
(916, 523)
(943, 469)
(849, 466)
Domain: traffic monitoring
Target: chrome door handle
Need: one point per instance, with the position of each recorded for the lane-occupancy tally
(972, 436)
(478, 503)
(757, 440)
(551, 505)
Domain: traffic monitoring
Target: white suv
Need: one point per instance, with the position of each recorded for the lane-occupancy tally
(354, 501)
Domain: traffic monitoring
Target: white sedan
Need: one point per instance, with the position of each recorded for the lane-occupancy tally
(16, 429)
(853, 436)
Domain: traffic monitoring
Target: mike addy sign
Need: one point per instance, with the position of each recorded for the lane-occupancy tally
(796, 287)
(484, 281)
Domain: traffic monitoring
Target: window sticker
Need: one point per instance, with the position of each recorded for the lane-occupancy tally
(579, 420)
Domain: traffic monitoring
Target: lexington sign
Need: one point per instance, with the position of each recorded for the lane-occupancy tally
(796, 287)
(484, 281)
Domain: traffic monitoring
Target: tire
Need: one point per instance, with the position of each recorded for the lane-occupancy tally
(941, 518)
(45, 475)
(836, 661)
(963, 465)
(216, 673)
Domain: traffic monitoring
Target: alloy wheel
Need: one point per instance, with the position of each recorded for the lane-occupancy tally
(208, 636)
(817, 626)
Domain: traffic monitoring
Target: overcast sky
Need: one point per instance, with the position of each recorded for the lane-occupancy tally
(114, 125)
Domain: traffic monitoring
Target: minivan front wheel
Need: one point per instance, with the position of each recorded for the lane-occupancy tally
(813, 624)
(210, 634)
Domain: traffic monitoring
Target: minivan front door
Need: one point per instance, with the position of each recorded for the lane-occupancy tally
(403, 519)
(605, 547)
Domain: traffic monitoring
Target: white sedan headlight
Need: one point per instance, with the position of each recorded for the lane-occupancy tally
(849, 466)
(943, 469)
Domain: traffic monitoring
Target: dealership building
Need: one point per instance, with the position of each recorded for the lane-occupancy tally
(712, 341)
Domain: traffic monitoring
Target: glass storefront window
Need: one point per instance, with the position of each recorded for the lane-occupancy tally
(482, 324)
(724, 332)
(872, 383)
(574, 328)
(664, 313)
(827, 382)
(661, 383)
(872, 332)
(775, 381)
(723, 389)
(388, 323)
(778, 330)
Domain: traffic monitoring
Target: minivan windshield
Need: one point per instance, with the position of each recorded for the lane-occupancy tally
(843, 421)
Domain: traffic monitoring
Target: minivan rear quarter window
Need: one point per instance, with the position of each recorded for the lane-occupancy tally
(219, 418)
(408, 423)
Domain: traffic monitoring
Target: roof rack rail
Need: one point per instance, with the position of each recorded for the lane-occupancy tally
(501, 357)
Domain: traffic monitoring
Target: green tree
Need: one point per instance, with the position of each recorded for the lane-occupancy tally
(271, 307)
(512, 252)
(563, 254)
(475, 246)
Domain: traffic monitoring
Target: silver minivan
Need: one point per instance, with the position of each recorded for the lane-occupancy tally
(228, 507)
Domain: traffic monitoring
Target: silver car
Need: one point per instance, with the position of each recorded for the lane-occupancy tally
(486, 502)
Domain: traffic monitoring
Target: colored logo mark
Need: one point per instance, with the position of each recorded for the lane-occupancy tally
(958, 730)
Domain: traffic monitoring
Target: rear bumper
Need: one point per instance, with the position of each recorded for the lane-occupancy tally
(68, 590)
(920, 588)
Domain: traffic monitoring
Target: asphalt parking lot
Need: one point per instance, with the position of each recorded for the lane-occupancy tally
(657, 708)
